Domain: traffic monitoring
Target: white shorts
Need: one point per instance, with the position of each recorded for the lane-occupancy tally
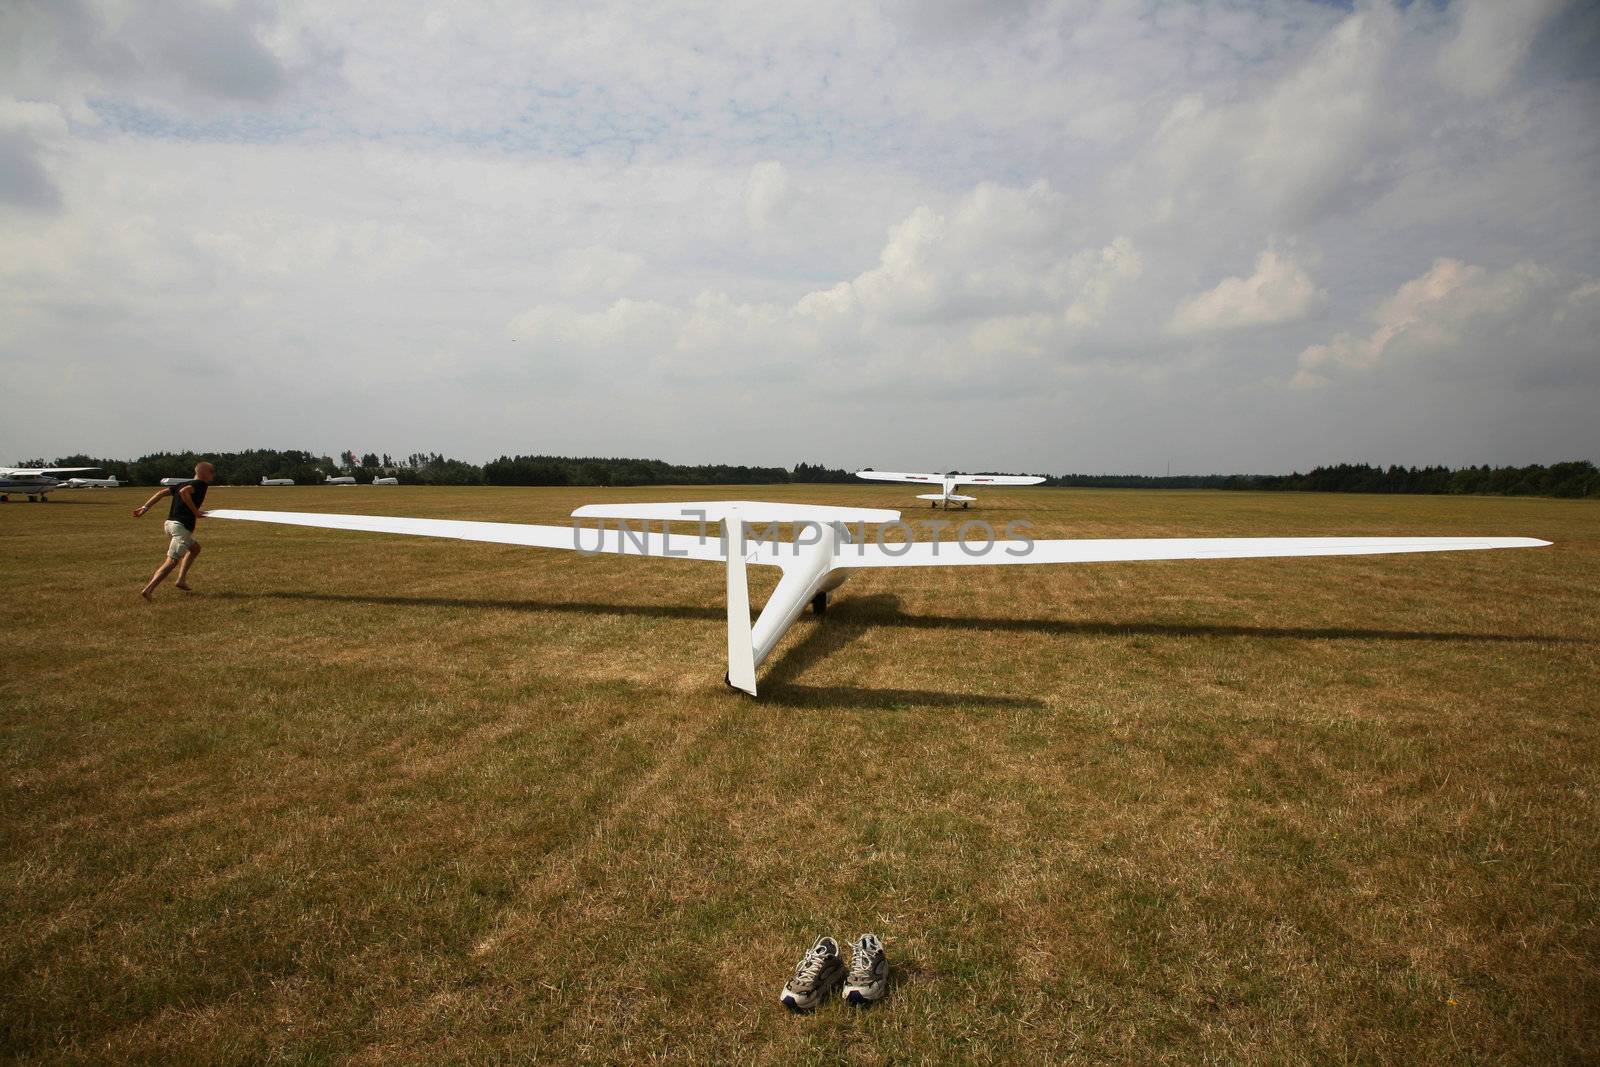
(182, 538)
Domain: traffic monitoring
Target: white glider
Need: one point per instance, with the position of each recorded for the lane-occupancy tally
(947, 483)
(828, 544)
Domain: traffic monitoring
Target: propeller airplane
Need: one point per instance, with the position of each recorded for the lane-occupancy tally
(35, 482)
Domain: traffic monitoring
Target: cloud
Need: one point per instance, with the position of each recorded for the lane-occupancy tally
(767, 195)
(1530, 325)
(24, 180)
(597, 271)
(1002, 251)
(955, 294)
(1303, 147)
(992, 229)
(1278, 292)
(1491, 42)
(175, 52)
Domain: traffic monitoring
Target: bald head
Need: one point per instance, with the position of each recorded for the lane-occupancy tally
(204, 471)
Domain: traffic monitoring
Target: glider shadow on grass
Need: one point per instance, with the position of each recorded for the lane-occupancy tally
(844, 627)
(852, 615)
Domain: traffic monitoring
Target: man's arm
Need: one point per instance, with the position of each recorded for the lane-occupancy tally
(142, 508)
(186, 494)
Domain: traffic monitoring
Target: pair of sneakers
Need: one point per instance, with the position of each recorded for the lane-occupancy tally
(865, 981)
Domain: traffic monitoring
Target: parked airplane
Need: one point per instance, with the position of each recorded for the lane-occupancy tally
(343, 479)
(826, 549)
(91, 483)
(171, 482)
(947, 483)
(276, 481)
(386, 481)
(34, 482)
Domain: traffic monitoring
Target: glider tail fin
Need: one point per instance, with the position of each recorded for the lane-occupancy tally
(741, 647)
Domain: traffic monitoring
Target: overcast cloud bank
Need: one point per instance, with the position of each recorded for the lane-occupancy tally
(925, 235)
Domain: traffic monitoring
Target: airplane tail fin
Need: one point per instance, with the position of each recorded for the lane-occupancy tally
(741, 646)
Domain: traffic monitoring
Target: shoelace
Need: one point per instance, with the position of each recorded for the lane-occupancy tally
(862, 961)
(811, 966)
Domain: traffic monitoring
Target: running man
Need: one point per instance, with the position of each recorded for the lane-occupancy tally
(181, 518)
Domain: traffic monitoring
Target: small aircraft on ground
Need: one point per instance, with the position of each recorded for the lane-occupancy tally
(342, 479)
(276, 481)
(386, 481)
(829, 543)
(91, 483)
(947, 483)
(35, 482)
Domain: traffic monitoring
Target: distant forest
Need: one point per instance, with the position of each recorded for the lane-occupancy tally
(1578, 478)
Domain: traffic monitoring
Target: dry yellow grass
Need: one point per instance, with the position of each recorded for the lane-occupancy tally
(398, 800)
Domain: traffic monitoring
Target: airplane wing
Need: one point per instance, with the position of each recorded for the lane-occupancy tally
(30, 472)
(585, 540)
(896, 476)
(1114, 550)
(996, 479)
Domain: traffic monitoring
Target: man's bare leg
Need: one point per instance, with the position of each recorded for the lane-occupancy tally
(188, 561)
(156, 579)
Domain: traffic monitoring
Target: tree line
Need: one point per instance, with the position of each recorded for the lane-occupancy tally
(1578, 478)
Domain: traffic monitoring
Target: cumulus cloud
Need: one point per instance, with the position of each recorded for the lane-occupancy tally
(1528, 323)
(1001, 252)
(1279, 291)
(992, 280)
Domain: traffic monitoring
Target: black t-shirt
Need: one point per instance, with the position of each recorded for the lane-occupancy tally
(179, 512)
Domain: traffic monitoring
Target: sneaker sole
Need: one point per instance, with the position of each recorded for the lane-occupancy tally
(795, 1002)
(866, 994)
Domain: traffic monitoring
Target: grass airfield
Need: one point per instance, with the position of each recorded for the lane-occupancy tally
(399, 800)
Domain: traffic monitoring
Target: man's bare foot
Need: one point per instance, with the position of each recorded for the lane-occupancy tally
(181, 585)
(145, 593)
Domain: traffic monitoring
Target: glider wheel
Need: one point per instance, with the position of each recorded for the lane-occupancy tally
(819, 604)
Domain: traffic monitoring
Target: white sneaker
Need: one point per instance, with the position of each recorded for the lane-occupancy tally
(819, 971)
(869, 971)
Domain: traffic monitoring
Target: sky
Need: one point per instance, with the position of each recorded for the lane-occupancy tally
(1218, 236)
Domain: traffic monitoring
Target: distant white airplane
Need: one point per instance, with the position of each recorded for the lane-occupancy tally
(386, 481)
(34, 482)
(276, 481)
(826, 549)
(947, 483)
(91, 483)
(171, 482)
(343, 479)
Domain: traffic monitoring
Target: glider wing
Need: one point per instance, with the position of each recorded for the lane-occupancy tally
(589, 541)
(979, 553)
